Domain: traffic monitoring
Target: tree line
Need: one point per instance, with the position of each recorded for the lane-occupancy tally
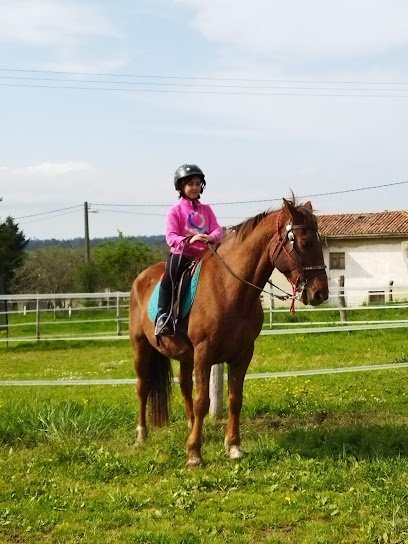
(62, 268)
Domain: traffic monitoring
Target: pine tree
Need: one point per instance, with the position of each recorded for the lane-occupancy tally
(12, 244)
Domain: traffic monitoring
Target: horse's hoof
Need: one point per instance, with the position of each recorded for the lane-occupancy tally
(235, 452)
(194, 462)
(141, 435)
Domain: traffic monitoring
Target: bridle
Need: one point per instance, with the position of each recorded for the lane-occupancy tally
(301, 281)
(299, 285)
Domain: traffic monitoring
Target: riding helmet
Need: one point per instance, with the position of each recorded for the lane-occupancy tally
(187, 171)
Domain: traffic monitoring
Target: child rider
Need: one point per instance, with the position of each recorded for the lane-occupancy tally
(190, 226)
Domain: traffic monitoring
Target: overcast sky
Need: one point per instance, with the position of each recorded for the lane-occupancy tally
(101, 101)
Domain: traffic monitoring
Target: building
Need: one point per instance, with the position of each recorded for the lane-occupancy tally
(370, 250)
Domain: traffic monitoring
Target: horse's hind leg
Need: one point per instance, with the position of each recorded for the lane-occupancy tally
(142, 355)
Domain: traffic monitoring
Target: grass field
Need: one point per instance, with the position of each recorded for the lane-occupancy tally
(327, 457)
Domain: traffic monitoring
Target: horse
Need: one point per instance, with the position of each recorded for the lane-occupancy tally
(225, 319)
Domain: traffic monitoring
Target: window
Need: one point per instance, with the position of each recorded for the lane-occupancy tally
(338, 260)
(376, 297)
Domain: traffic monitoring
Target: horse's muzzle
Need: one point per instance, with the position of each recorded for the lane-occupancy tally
(316, 291)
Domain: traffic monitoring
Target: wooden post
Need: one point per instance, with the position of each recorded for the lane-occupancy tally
(217, 391)
(390, 283)
(118, 321)
(342, 300)
(271, 306)
(86, 233)
(37, 320)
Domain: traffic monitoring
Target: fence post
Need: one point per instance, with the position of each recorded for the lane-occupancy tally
(271, 306)
(217, 390)
(342, 300)
(390, 283)
(118, 321)
(37, 319)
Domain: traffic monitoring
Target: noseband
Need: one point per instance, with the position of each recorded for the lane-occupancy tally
(301, 281)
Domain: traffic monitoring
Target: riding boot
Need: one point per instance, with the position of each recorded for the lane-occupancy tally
(164, 324)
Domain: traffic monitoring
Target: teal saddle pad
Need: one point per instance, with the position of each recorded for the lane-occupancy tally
(187, 298)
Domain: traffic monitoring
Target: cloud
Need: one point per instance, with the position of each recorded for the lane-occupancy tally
(49, 169)
(46, 185)
(51, 22)
(319, 29)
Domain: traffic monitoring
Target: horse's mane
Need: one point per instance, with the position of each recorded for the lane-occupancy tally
(242, 230)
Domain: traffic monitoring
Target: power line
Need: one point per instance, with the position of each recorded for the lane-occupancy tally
(51, 211)
(202, 78)
(137, 213)
(220, 93)
(111, 206)
(329, 193)
(36, 220)
(207, 85)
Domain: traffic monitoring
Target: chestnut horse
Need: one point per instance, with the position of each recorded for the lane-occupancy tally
(225, 319)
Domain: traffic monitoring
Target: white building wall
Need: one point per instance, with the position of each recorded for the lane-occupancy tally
(370, 265)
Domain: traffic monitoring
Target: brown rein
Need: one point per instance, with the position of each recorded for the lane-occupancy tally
(287, 295)
(280, 245)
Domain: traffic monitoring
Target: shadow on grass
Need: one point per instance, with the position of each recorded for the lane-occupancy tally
(362, 441)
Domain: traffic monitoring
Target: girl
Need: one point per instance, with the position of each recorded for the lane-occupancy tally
(190, 227)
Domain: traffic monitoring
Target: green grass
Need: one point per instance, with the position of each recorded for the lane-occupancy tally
(327, 456)
(102, 359)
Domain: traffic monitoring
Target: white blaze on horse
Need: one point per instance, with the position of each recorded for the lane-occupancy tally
(225, 319)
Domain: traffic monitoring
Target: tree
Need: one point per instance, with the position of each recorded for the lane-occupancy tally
(50, 270)
(113, 265)
(12, 244)
(120, 261)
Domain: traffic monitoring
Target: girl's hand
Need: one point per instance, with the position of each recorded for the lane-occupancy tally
(201, 238)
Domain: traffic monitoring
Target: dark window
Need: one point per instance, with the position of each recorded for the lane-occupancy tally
(376, 297)
(338, 260)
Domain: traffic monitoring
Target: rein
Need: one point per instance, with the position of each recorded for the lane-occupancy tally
(298, 286)
(280, 297)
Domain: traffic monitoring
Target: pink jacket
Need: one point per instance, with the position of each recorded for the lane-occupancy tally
(183, 220)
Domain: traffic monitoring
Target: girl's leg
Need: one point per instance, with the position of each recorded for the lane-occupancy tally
(172, 274)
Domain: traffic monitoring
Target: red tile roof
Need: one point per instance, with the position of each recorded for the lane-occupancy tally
(348, 225)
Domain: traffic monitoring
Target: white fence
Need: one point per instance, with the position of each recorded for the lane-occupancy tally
(104, 316)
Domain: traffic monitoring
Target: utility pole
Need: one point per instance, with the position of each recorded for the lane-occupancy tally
(86, 224)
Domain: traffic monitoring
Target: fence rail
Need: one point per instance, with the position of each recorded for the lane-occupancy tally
(104, 316)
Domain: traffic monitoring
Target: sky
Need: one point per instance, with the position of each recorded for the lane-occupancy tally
(101, 101)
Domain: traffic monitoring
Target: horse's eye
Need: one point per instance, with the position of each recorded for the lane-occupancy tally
(306, 243)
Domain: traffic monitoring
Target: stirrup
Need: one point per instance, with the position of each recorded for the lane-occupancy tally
(165, 326)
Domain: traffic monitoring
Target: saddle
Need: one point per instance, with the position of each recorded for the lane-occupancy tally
(185, 292)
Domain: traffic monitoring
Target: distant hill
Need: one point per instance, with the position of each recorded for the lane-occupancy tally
(152, 241)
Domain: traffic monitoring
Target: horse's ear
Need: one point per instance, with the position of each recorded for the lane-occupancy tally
(289, 207)
(308, 205)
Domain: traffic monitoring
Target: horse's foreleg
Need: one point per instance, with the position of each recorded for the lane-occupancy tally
(186, 386)
(142, 352)
(200, 408)
(236, 375)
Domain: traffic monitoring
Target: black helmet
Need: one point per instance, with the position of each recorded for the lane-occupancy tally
(187, 171)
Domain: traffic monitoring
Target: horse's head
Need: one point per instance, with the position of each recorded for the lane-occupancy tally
(298, 252)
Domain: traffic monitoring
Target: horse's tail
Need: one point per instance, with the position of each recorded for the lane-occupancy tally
(160, 382)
